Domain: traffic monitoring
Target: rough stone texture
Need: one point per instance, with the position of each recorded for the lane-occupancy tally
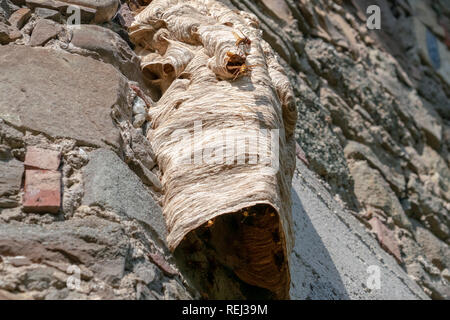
(20, 17)
(103, 10)
(333, 251)
(115, 257)
(11, 175)
(374, 116)
(8, 33)
(60, 94)
(109, 47)
(106, 9)
(111, 184)
(43, 32)
(49, 4)
(373, 192)
(7, 8)
(51, 100)
(10, 136)
(435, 250)
(390, 170)
(97, 246)
(50, 14)
(11, 172)
(124, 15)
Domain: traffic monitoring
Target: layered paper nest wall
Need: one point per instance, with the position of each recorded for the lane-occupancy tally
(190, 50)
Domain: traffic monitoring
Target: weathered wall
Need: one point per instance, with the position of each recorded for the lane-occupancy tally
(373, 138)
(374, 117)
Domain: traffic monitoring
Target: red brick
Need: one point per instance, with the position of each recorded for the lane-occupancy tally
(447, 37)
(38, 158)
(42, 191)
(301, 154)
(19, 17)
(162, 264)
(386, 238)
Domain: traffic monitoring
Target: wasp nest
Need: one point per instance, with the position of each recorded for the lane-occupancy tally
(222, 133)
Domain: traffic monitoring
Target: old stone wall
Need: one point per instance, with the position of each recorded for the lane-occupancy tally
(374, 117)
(80, 189)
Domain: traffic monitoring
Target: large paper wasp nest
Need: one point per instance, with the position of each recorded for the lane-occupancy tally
(222, 133)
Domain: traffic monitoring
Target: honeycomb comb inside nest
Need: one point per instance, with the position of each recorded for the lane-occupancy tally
(249, 244)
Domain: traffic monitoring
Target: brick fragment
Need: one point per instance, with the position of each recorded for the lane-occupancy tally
(301, 154)
(38, 158)
(20, 17)
(159, 260)
(42, 191)
(386, 238)
(44, 31)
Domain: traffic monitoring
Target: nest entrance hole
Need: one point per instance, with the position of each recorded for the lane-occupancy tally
(234, 63)
(237, 256)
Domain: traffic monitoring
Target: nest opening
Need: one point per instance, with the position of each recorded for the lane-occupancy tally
(168, 68)
(247, 244)
(234, 63)
(149, 74)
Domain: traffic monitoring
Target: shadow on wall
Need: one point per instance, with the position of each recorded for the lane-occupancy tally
(313, 272)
